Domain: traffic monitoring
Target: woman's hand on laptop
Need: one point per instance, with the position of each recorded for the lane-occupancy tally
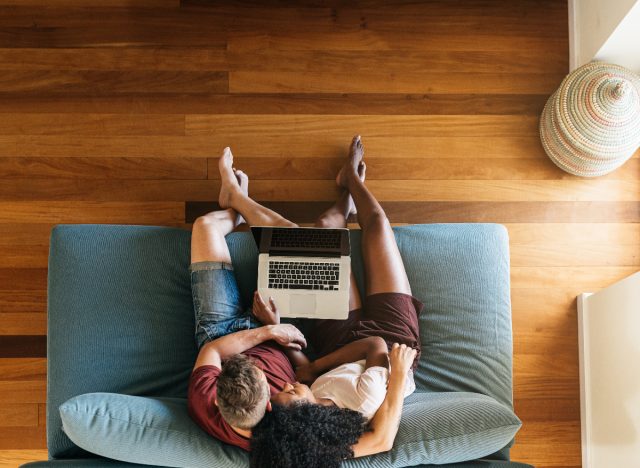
(288, 336)
(267, 314)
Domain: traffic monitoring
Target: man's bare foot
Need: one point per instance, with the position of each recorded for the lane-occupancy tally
(350, 170)
(243, 181)
(230, 182)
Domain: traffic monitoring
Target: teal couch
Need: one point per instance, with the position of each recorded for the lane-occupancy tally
(121, 317)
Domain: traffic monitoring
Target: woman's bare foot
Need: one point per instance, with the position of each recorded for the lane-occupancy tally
(350, 170)
(362, 171)
(230, 181)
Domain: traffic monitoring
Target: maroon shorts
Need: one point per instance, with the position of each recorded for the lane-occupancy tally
(391, 316)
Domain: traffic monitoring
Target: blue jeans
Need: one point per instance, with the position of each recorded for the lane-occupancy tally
(216, 302)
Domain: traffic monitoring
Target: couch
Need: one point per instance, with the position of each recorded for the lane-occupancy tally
(120, 320)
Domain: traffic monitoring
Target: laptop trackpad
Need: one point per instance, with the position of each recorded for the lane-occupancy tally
(302, 304)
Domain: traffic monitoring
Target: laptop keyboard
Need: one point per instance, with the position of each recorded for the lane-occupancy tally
(304, 275)
(305, 238)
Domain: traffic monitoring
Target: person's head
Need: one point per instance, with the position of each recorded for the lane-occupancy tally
(242, 392)
(305, 434)
(292, 393)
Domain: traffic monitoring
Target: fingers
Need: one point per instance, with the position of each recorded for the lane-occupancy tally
(272, 303)
(258, 298)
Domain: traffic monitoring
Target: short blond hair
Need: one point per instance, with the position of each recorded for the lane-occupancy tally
(242, 392)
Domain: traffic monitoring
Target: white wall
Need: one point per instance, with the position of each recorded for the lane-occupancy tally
(623, 46)
(592, 24)
(609, 339)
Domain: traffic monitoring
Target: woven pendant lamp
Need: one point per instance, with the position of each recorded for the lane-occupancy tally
(591, 125)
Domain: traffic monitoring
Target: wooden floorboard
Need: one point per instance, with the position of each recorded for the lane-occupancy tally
(115, 112)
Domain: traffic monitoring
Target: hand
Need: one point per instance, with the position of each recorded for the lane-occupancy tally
(288, 336)
(401, 358)
(306, 374)
(266, 314)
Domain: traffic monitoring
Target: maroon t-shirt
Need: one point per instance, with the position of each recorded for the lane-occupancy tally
(202, 390)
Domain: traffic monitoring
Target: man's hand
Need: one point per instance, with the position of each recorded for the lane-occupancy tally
(267, 314)
(401, 358)
(288, 336)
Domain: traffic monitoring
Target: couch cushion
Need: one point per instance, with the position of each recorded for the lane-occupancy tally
(121, 313)
(436, 428)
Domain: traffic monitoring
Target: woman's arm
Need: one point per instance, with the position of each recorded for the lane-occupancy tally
(373, 349)
(384, 425)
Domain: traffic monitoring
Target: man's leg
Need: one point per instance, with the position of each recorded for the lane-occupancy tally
(216, 298)
(232, 196)
(383, 264)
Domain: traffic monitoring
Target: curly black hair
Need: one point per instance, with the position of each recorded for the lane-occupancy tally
(305, 435)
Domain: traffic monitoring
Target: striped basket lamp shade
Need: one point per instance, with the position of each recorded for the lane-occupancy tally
(591, 125)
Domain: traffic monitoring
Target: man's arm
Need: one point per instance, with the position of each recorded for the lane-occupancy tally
(214, 352)
(384, 425)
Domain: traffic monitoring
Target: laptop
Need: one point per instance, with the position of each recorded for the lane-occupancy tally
(306, 270)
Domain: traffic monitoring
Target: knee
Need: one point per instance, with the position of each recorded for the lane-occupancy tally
(205, 222)
(377, 218)
(324, 222)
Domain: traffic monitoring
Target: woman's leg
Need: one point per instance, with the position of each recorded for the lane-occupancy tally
(336, 217)
(383, 264)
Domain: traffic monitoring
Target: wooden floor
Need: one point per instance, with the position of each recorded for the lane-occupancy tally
(113, 111)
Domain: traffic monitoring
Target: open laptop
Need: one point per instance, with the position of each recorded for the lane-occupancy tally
(305, 270)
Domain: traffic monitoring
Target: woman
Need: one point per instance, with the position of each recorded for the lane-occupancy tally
(356, 349)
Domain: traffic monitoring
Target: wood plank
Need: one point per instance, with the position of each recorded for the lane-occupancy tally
(414, 169)
(500, 8)
(570, 233)
(23, 346)
(367, 40)
(13, 458)
(326, 190)
(115, 58)
(276, 145)
(92, 212)
(17, 301)
(23, 323)
(23, 391)
(553, 363)
(35, 27)
(22, 438)
(28, 280)
(553, 410)
(568, 277)
(91, 124)
(113, 168)
(345, 126)
(20, 415)
(24, 233)
(543, 388)
(578, 254)
(392, 81)
(273, 103)
(461, 212)
(169, 4)
(42, 415)
(400, 61)
(110, 82)
(23, 369)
